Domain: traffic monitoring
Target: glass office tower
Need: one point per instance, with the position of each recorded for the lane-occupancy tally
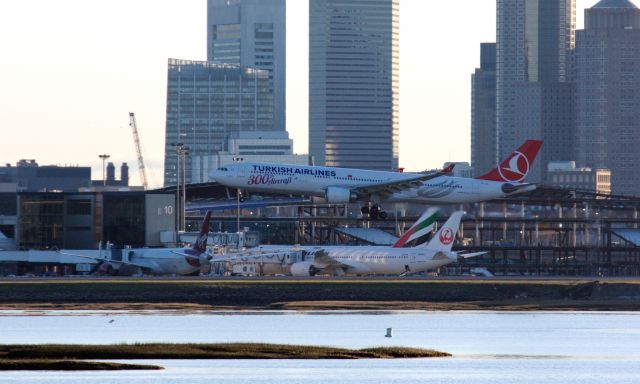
(534, 89)
(251, 33)
(353, 83)
(209, 103)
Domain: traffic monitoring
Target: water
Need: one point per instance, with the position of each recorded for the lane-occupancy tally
(523, 347)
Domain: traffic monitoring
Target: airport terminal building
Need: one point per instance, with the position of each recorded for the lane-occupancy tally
(82, 220)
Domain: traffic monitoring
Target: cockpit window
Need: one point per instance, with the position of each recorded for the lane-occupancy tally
(223, 169)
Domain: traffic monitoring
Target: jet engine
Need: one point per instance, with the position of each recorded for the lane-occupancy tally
(508, 188)
(337, 195)
(303, 269)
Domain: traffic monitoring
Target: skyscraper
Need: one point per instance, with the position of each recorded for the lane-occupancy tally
(208, 104)
(484, 150)
(353, 83)
(608, 92)
(534, 91)
(251, 33)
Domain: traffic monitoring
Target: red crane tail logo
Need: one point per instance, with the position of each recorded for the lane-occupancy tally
(446, 236)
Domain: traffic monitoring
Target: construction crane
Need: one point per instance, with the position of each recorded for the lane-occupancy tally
(136, 140)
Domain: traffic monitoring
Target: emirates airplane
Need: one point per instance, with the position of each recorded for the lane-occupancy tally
(345, 185)
(375, 260)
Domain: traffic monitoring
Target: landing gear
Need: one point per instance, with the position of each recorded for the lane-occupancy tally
(374, 211)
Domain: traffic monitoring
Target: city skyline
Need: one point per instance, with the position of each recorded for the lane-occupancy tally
(78, 67)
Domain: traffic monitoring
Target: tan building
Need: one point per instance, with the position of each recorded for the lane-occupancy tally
(564, 174)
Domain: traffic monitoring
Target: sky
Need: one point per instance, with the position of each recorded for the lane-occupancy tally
(72, 70)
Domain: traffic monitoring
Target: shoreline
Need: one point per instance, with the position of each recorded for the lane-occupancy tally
(355, 306)
(321, 294)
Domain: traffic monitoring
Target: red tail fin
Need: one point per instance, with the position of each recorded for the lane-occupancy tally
(515, 168)
(201, 244)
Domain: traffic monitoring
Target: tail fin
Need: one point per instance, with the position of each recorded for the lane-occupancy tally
(420, 228)
(443, 239)
(201, 244)
(514, 168)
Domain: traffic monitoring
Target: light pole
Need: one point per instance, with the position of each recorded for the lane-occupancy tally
(237, 159)
(178, 148)
(104, 159)
(184, 154)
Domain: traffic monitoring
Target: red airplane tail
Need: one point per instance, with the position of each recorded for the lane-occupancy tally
(514, 169)
(200, 245)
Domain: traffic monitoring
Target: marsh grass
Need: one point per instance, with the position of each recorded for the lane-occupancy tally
(205, 351)
(69, 365)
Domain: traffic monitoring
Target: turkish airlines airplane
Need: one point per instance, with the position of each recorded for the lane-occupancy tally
(345, 185)
(375, 260)
(159, 261)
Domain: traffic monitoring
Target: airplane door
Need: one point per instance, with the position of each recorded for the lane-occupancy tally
(241, 171)
(475, 187)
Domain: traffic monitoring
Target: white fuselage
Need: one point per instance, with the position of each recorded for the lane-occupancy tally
(315, 181)
(373, 260)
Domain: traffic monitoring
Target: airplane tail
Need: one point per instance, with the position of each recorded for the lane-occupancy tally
(514, 169)
(444, 238)
(420, 228)
(200, 245)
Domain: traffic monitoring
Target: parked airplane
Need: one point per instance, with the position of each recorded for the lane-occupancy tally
(345, 185)
(368, 260)
(420, 228)
(159, 261)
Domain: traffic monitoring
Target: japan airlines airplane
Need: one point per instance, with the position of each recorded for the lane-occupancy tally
(345, 185)
(160, 261)
(371, 260)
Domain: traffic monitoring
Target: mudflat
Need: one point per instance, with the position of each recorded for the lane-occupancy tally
(194, 294)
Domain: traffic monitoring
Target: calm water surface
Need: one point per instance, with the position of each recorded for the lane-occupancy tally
(534, 347)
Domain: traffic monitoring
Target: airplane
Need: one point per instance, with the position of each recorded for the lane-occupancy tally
(345, 185)
(159, 261)
(370, 260)
(420, 228)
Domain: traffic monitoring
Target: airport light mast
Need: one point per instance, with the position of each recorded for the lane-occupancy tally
(104, 159)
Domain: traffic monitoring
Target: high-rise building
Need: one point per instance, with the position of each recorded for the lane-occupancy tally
(249, 146)
(484, 149)
(534, 91)
(251, 33)
(608, 92)
(207, 104)
(353, 83)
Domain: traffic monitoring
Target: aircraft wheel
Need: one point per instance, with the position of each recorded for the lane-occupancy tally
(383, 215)
(374, 212)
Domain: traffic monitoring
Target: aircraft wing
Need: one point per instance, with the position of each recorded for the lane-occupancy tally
(322, 257)
(470, 255)
(392, 187)
(186, 255)
(229, 204)
(105, 259)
